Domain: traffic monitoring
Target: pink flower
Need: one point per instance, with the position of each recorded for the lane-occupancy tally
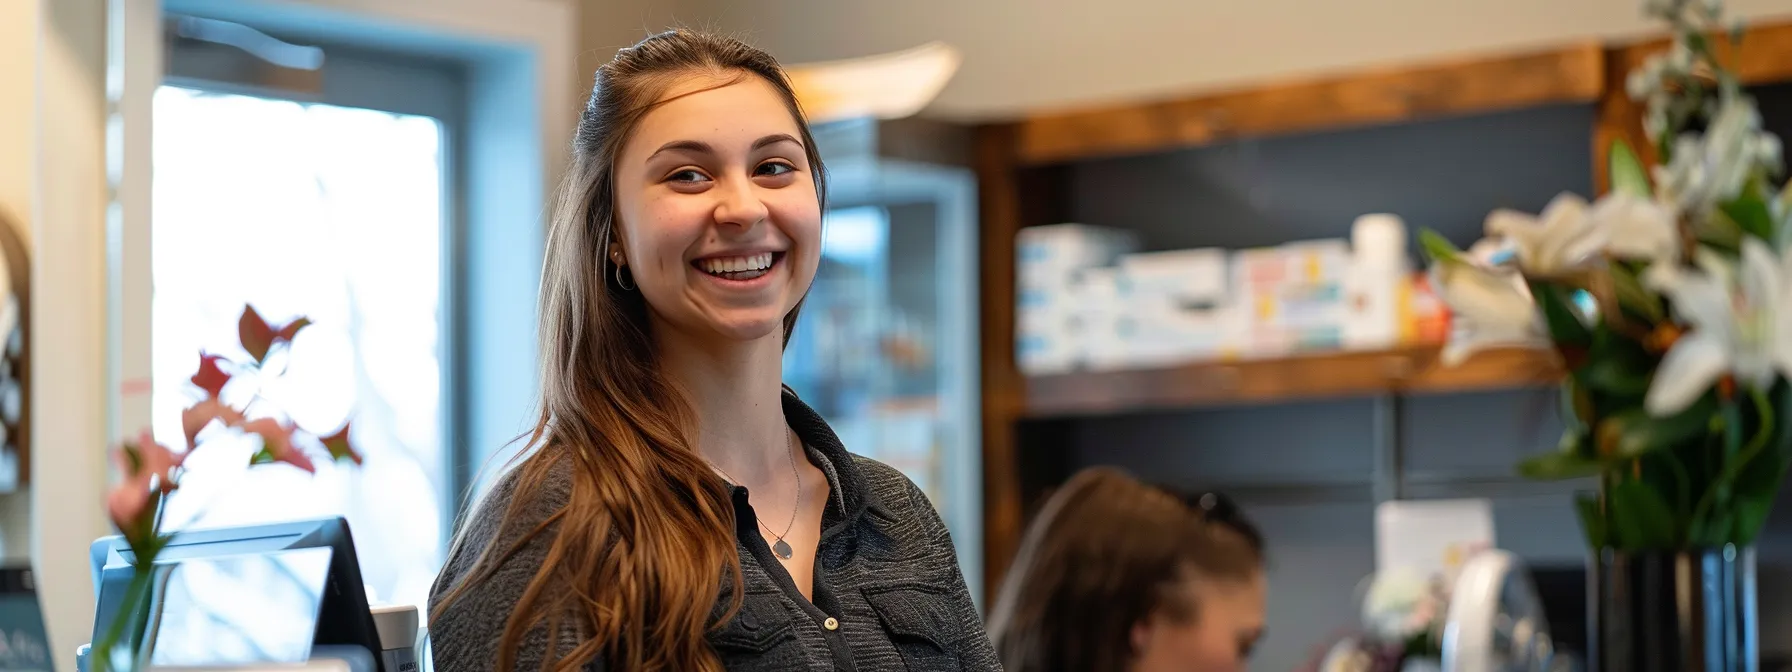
(147, 467)
(277, 444)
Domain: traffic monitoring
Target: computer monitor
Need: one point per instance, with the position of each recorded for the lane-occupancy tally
(343, 614)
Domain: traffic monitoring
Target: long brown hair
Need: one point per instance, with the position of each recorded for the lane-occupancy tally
(646, 540)
(1104, 553)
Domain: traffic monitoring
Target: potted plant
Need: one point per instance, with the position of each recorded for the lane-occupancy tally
(1669, 301)
(151, 472)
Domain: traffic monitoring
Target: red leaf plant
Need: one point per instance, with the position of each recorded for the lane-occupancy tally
(151, 471)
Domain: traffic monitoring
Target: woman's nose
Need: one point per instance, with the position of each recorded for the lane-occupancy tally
(740, 205)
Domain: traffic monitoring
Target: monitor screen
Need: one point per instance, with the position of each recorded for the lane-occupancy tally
(342, 616)
(239, 609)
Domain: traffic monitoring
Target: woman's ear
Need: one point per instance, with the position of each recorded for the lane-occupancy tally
(1142, 632)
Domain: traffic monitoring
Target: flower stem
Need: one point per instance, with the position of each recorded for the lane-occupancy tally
(1734, 464)
(142, 573)
(1682, 482)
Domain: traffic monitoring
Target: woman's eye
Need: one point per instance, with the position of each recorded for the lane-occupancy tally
(775, 168)
(687, 175)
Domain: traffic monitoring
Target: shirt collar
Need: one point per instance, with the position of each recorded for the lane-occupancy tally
(848, 494)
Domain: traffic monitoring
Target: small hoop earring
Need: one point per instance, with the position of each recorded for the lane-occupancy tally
(619, 283)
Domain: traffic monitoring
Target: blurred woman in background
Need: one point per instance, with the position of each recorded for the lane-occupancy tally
(1118, 576)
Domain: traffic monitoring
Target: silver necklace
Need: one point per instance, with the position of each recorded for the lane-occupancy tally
(780, 547)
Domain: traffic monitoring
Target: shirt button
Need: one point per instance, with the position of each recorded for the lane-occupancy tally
(831, 624)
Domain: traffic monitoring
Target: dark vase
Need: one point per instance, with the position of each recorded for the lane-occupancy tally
(1668, 611)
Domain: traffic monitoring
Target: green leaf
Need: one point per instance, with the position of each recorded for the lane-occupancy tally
(1615, 376)
(1562, 464)
(1564, 321)
(1714, 532)
(1633, 432)
(1762, 476)
(1751, 212)
(1633, 296)
(1577, 404)
(262, 454)
(1697, 42)
(1627, 172)
(1437, 247)
(1751, 516)
(1591, 520)
(1717, 229)
(1641, 517)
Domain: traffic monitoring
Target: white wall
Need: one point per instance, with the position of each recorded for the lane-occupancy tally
(608, 25)
(1022, 55)
(70, 402)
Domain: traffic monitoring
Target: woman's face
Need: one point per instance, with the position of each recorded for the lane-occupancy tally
(1227, 625)
(716, 208)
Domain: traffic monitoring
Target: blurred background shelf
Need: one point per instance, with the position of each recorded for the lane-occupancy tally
(1311, 443)
(1293, 378)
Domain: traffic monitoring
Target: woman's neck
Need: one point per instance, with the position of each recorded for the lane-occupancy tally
(735, 391)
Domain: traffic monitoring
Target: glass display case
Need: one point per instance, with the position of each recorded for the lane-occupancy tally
(886, 346)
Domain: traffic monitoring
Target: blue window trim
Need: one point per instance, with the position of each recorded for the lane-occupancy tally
(493, 246)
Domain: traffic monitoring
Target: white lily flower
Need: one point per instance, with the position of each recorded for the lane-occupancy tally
(1489, 307)
(1745, 330)
(1647, 80)
(1394, 595)
(1655, 118)
(1712, 168)
(1562, 239)
(1636, 228)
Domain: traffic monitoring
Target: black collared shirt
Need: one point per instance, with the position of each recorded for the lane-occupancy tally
(888, 592)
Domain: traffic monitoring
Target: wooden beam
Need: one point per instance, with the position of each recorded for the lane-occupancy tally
(1469, 86)
(999, 199)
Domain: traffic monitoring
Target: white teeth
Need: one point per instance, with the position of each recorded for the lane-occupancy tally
(754, 262)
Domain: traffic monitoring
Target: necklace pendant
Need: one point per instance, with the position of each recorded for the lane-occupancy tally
(782, 548)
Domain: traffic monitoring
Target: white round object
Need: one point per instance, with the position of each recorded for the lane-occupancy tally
(397, 625)
(1379, 239)
(1496, 621)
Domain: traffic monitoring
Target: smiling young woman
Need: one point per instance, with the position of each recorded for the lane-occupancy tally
(678, 507)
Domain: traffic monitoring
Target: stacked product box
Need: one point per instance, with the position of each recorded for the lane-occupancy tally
(1292, 297)
(1087, 301)
(1054, 303)
(1173, 307)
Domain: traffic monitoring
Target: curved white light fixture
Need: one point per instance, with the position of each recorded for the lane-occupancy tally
(883, 86)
